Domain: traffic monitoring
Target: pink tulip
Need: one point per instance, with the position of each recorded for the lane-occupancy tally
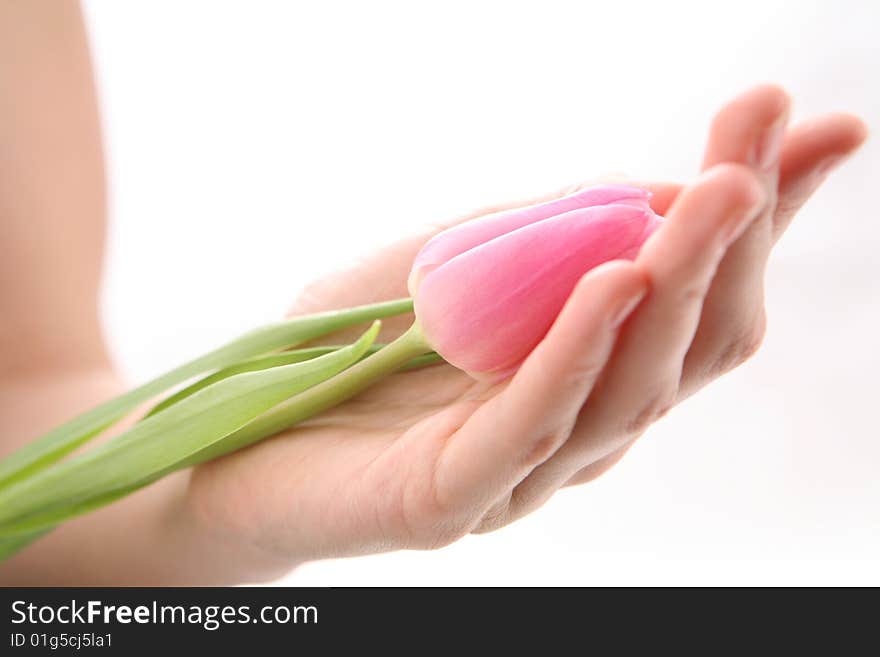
(487, 291)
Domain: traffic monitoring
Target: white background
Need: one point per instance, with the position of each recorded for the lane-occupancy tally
(254, 145)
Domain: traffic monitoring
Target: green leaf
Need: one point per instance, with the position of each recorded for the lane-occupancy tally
(411, 347)
(249, 365)
(276, 360)
(9, 545)
(62, 440)
(161, 442)
(103, 500)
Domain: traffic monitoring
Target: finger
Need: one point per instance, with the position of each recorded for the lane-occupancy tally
(664, 194)
(525, 423)
(732, 325)
(383, 274)
(813, 148)
(749, 131)
(595, 470)
(641, 378)
(680, 262)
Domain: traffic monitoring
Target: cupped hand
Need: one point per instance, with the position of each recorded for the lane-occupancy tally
(428, 456)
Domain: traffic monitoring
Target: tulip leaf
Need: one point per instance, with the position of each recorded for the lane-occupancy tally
(276, 360)
(102, 500)
(161, 442)
(248, 365)
(9, 545)
(65, 438)
(409, 348)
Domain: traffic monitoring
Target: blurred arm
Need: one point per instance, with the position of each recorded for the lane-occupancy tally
(53, 363)
(52, 193)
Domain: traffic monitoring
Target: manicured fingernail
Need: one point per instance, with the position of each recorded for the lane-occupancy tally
(626, 309)
(767, 148)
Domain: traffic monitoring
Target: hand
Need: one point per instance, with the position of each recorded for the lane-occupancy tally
(431, 455)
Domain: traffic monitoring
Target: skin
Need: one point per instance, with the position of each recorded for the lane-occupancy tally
(425, 457)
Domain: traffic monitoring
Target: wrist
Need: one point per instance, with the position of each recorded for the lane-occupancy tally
(208, 551)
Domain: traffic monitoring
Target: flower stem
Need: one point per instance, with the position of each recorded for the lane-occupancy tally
(327, 394)
(407, 351)
(63, 439)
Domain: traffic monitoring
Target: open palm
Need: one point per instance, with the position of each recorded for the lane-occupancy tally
(427, 456)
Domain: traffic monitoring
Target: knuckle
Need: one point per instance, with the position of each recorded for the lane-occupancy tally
(545, 446)
(738, 187)
(494, 519)
(596, 469)
(693, 293)
(523, 500)
(582, 374)
(655, 409)
(753, 341)
(741, 348)
(693, 278)
(575, 374)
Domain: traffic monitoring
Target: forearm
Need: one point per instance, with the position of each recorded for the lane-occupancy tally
(52, 196)
(53, 364)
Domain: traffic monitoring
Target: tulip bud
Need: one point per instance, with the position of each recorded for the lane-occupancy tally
(465, 236)
(487, 291)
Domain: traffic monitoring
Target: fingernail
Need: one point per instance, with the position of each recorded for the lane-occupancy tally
(767, 148)
(626, 309)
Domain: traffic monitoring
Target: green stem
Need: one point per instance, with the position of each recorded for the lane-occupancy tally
(325, 395)
(407, 350)
(158, 444)
(273, 360)
(63, 439)
(431, 358)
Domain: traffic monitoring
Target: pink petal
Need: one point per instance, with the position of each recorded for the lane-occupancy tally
(486, 309)
(463, 237)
